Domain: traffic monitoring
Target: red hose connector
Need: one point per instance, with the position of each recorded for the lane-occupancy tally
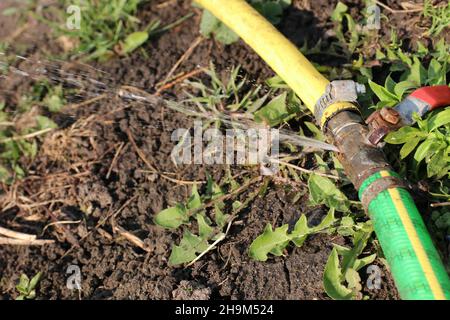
(422, 100)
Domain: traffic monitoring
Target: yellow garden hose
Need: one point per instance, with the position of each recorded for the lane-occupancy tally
(415, 263)
(279, 53)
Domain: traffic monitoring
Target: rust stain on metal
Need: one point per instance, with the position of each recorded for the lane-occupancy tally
(382, 122)
(359, 158)
(378, 186)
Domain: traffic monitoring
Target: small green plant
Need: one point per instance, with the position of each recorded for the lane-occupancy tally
(353, 36)
(220, 96)
(275, 241)
(108, 28)
(271, 9)
(174, 217)
(341, 279)
(430, 140)
(27, 287)
(397, 59)
(414, 75)
(54, 99)
(223, 99)
(323, 191)
(3, 47)
(210, 229)
(346, 25)
(439, 15)
(19, 142)
(105, 23)
(424, 145)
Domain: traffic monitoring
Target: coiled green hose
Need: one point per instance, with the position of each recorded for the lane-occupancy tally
(415, 263)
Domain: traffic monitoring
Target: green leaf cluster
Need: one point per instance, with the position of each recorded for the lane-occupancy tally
(413, 75)
(275, 241)
(280, 109)
(347, 30)
(235, 95)
(27, 287)
(107, 27)
(430, 141)
(341, 279)
(323, 191)
(439, 15)
(183, 214)
(14, 148)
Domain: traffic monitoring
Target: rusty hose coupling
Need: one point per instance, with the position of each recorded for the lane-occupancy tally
(337, 111)
(359, 157)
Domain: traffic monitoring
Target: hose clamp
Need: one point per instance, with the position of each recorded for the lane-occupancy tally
(378, 186)
(340, 95)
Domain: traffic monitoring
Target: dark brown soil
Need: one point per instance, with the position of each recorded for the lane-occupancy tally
(72, 167)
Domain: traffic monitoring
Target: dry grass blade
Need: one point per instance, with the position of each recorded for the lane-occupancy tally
(26, 136)
(440, 204)
(293, 166)
(22, 242)
(385, 6)
(131, 237)
(113, 162)
(87, 102)
(102, 222)
(178, 80)
(185, 56)
(17, 235)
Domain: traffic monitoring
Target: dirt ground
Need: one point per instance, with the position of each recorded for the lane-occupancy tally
(75, 178)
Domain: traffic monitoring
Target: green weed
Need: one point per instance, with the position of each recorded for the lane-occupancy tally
(233, 99)
(341, 279)
(413, 75)
(439, 15)
(323, 191)
(430, 141)
(27, 287)
(353, 36)
(347, 31)
(107, 28)
(205, 213)
(276, 241)
(21, 142)
(104, 24)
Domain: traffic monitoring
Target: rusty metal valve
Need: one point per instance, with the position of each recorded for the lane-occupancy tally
(381, 122)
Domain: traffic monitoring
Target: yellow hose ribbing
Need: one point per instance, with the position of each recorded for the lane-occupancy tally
(278, 52)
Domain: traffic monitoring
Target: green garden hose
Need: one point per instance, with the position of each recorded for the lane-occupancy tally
(414, 262)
